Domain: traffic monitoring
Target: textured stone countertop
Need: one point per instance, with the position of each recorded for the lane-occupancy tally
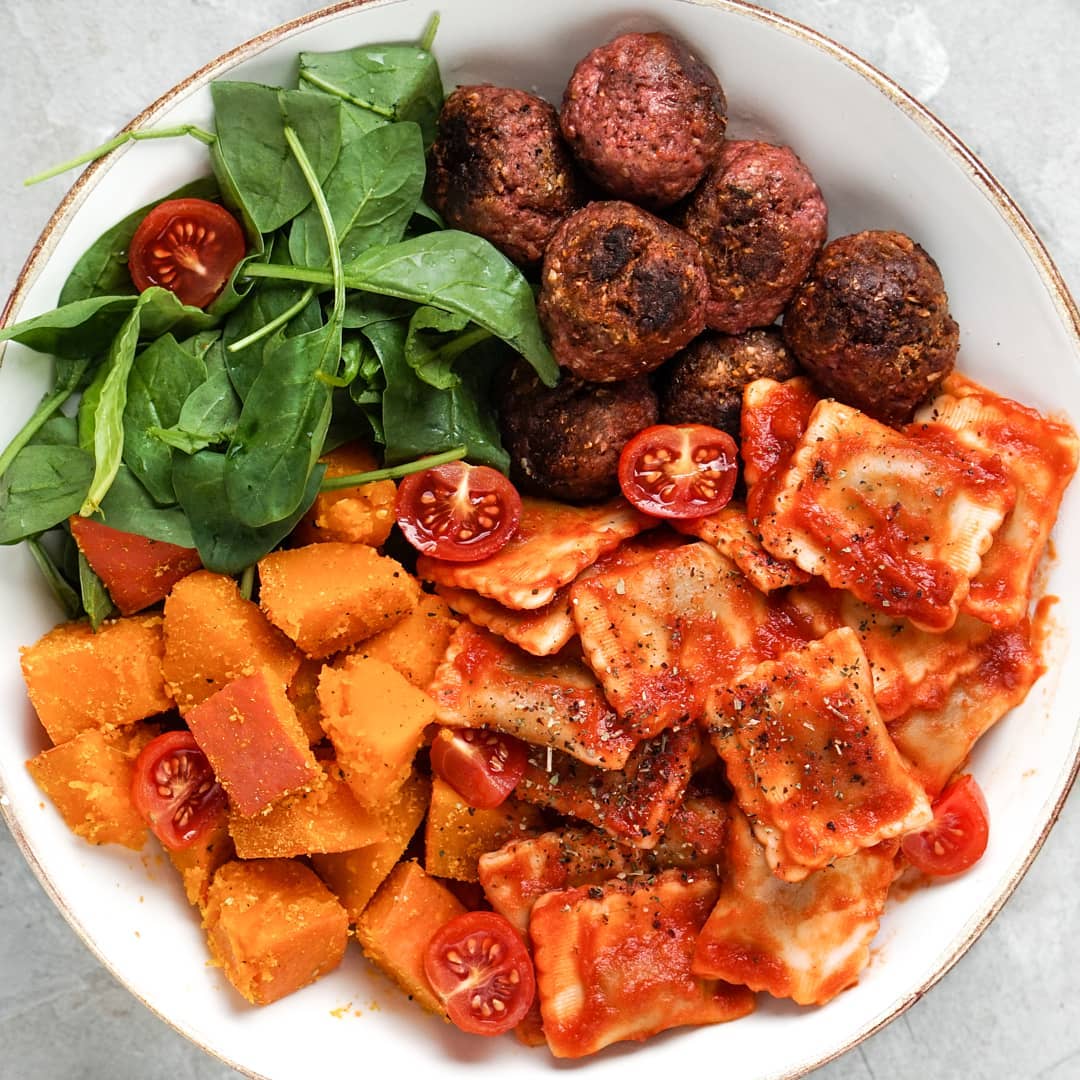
(1001, 73)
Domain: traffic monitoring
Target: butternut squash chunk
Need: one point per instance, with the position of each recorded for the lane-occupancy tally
(198, 863)
(417, 644)
(303, 692)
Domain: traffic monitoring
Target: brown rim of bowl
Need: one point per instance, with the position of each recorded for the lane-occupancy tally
(997, 194)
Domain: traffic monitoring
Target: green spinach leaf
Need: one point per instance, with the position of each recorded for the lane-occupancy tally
(435, 342)
(210, 413)
(44, 486)
(96, 601)
(130, 508)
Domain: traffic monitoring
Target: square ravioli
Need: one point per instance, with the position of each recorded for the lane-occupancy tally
(810, 759)
(901, 522)
(553, 544)
(1040, 458)
(805, 941)
(613, 962)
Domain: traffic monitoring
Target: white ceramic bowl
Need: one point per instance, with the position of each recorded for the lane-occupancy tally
(882, 162)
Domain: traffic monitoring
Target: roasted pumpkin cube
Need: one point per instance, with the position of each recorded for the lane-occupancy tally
(353, 876)
(273, 926)
(376, 719)
(397, 925)
(213, 635)
(303, 692)
(327, 597)
(89, 782)
(357, 515)
(327, 818)
(79, 680)
(257, 748)
(416, 645)
(198, 862)
(458, 834)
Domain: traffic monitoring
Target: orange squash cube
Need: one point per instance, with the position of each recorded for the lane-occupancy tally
(198, 862)
(327, 597)
(89, 782)
(303, 692)
(397, 925)
(376, 719)
(273, 927)
(213, 635)
(357, 515)
(79, 680)
(254, 742)
(353, 876)
(327, 818)
(416, 645)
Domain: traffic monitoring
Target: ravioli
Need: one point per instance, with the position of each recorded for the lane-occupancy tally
(553, 544)
(805, 941)
(1039, 456)
(774, 417)
(810, 759)
(613, 962)
(900, 522)
(485, 682)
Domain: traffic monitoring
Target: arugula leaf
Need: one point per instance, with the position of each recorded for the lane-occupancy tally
(96, 601)
(44, 486)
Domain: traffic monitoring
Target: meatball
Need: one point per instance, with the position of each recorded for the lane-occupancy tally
(645, 117)
(499, 168)
(760, 220)
(704, 383)
(872, 326)
(621, 291)
(564, 441)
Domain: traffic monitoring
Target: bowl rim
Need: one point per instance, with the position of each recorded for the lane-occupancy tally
(901, 98)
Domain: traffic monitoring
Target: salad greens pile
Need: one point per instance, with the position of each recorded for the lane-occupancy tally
(355, 312)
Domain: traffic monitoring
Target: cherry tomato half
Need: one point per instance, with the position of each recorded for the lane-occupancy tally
(175, 790)
(956, 839)
(483, 767)
(679, 471)
(458, 512)
(479, 967)
(189, 246)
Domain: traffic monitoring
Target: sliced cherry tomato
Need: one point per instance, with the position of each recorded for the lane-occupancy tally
(458, 512)
(483, 767)
(189, 246)
(956, 839)
(479, 967)
(679, 471)
(175, 790)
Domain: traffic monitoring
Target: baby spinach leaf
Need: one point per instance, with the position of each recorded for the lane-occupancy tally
(44, 486)
(435, 342)
(371, 191)
(82, 328)
(58, 431)
(130, 507)
(209, 414)
(162, 312)
(365, 309)
(251, 157)
(66, 596)
(88, 403)
(396, 82)
(96, 601)
(225, 544)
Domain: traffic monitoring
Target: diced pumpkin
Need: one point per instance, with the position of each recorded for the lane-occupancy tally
(416, 645)
(303, 692)
(328, 597)
(376, 719)
(397, 925)
(132, 738)
(254, 742)
(89, 782)
(327, 818)
(137, 571)
(79, 680)
(357, 515)
(213, 635)
(353, 876)
(458, 834)
(198, 862)
(273, 927)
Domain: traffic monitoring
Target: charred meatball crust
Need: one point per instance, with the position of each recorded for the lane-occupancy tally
(760, 220)
(645, 117)
(564, 441)
(499, 168)
(704, 383)
(872, 325)
(621, 292)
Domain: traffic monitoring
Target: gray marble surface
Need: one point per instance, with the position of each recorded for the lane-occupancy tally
(1001, 73)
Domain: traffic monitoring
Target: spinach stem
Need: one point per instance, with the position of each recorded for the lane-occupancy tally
(273, 324)
(350, 357)
(66, 596)
(119, 140)
(336, 483)
(462, 343)
(330, 88)
(289, 273)
(247, 581)
(430, 31)
(42, 413)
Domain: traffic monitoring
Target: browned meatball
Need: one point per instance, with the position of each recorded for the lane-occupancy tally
(645, 117)
(564, 441)
(760, 220)
(704, 383)
(872, 326)
(499, 168)
(621, 292)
